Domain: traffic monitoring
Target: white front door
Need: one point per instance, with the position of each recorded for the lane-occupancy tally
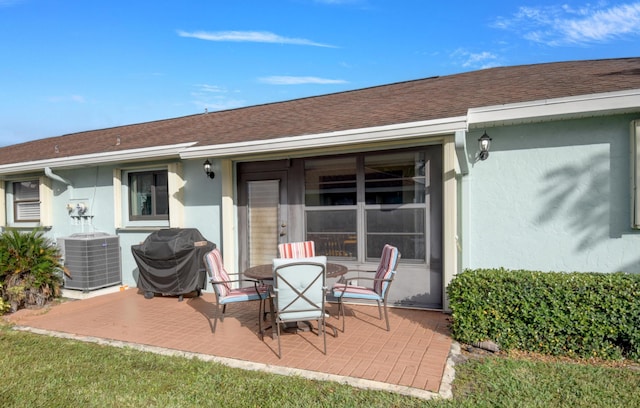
(263, 220)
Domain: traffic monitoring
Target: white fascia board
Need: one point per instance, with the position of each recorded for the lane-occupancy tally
(570, 107)
(331, 139)
(156, 152)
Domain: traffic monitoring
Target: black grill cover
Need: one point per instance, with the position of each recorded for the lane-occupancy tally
(170, 261)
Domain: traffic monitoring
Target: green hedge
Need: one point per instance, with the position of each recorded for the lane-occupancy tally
(574, 314)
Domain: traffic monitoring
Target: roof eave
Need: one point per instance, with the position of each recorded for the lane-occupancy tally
(330, 140)
(553, 109)
(121, 156)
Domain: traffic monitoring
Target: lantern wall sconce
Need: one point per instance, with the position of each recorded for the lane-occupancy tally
(208, 170)
(484, 143)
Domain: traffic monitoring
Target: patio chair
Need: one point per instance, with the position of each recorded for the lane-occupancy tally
(378, 290)
(299, 293)
(303, 249)
(226, 294)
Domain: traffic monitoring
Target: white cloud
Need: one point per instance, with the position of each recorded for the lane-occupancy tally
(211, 88)
(478, 60)
(295, 80)
(214, 98)
(250, 36)
(564, 25)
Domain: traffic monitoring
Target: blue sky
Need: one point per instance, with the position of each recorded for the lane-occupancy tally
(74, 65)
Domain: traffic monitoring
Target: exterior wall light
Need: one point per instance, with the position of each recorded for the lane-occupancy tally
(484, 143)
(207, 169)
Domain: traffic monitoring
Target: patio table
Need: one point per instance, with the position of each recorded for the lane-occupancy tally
(264, 273)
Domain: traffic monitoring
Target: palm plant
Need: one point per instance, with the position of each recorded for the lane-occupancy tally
(30, 268)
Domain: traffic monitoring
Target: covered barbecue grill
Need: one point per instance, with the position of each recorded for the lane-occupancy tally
(170, 262)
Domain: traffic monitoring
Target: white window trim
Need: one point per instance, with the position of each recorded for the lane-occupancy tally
(450, 202)
(175, 192)
(117, 198)
(635, 173)
(46, 200)
(3, 204)
(176, 195)
(45, 192)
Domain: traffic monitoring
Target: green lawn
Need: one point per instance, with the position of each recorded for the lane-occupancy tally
(42, 371)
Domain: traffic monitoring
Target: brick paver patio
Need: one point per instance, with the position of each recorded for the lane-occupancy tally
(413, 355)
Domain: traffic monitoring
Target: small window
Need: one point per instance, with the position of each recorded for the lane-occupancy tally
(148, 195)
(26, 201)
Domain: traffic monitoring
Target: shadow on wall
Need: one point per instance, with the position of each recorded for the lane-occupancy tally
(583, 195)
(579, 193)
(633, 268)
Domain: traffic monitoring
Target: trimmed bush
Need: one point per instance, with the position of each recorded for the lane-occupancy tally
(574, 314)
(30, 269)
(4, 306)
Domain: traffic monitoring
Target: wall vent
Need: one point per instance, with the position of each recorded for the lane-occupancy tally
(92, 260)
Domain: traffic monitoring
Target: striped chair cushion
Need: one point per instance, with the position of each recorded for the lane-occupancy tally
(244, 294)
(213, 262)
(304, 249)
(387, 265)
(351, 291)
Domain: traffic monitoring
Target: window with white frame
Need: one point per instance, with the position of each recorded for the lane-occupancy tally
(26, 201)
(355, 204)
(148, 195)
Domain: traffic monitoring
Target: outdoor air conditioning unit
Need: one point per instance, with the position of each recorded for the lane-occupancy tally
(92, 261)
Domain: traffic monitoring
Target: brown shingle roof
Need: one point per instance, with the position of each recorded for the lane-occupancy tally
(411, 101)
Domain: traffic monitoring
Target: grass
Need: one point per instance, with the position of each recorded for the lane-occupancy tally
(522, 382)
(42, 371)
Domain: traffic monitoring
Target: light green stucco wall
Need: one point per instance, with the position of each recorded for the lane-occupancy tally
(552, 196)
(94, 187)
